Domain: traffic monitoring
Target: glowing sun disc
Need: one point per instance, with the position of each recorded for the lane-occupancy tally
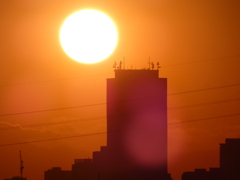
(88, 36)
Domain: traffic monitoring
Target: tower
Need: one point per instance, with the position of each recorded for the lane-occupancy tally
(21, 164)
(136, 127)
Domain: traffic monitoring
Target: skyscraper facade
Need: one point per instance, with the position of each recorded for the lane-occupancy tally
(136, 132)
(136, 127)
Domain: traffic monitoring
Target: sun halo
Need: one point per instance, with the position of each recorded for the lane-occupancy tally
(88, 36)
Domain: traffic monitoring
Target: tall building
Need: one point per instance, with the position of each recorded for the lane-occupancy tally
(136, 127)
(230, 158)
(136, 132)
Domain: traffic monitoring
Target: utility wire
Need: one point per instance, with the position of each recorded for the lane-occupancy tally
(104, 117)
(196, 120)
(204, 104)
(214, 59)
(204, 119)
(36, 82)
(83, 135)
(52, 139)
(205, 89)
(72, 107)
(47, 110)
(51, 123)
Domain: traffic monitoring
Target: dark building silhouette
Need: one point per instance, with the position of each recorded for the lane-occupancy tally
(56, 173)
(230, 159)
(136, 131)
(229, 164)
(83, 169)
(198, 174)
(203, 174)
(136, 127)
(17, 178)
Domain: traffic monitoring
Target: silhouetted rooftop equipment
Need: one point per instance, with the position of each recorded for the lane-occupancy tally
(121, 65)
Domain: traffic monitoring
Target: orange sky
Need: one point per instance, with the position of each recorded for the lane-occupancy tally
(196, 43)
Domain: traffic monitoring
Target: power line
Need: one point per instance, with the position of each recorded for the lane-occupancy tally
(82, 135)
(51, 123)
(47, 110)
(104, 117)
(36, 82)
(53, 139)
(205, 89)
(53, 80)
(208, 118)
(214, 59)
(204, 104)
(72, 107)
(69, 137)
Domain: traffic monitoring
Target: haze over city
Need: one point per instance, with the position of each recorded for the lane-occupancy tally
(53, 108)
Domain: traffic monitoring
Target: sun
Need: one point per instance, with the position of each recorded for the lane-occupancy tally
(88, 36)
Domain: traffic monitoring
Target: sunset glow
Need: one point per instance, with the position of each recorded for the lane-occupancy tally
(88, 36)
(57, 58)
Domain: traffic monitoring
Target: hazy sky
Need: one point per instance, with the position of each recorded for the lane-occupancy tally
(196, 42)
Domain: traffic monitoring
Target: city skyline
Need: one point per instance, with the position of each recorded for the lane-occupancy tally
(136, 132)
(228, 169)
(45, 95)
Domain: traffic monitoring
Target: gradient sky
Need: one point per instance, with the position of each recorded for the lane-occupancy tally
(196, 42)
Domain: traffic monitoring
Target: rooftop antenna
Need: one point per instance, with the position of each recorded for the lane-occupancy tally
(152, 64)
(158, 65)
(120, 65)
(149, 63)
(21, 164)
(115, 65)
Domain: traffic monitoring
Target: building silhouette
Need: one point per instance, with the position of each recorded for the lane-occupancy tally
(203, 174)
(84, 169)
(229, 164)
(56, 173)
(136, 131)
(230, 159)
(136, 127)
(17, 178)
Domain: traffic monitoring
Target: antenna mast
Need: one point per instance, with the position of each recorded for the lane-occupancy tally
(21, 164)
(149, 63)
